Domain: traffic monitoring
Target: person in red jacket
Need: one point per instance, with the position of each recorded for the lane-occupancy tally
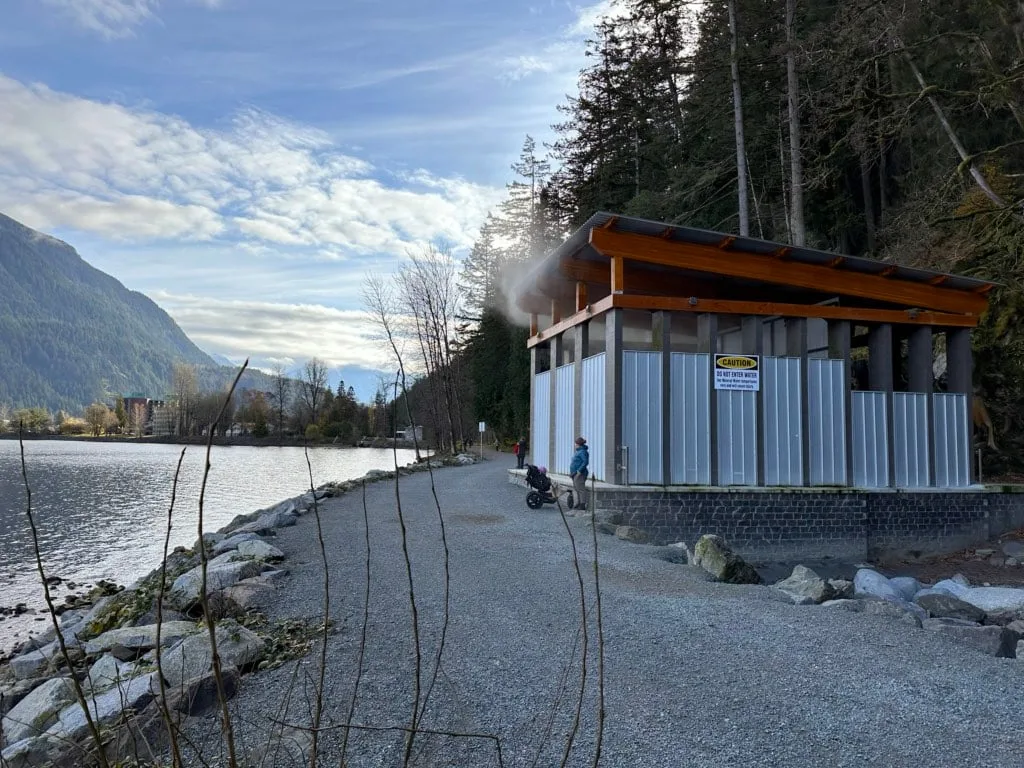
(521, 452)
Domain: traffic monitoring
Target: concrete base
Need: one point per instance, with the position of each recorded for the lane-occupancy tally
(804, 523)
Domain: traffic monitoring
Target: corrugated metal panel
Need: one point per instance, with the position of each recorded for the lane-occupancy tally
(910, 439)
(691, 419)
(641, 416)
(952, 440)
(592, 417)
(565, 381)
(737, 438)
(826, 414)
(870, 440)
(783, 437)
(541, 432)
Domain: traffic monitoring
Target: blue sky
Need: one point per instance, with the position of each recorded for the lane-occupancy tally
(246, 162)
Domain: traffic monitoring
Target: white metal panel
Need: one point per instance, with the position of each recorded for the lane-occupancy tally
(641, 416)
(541, 432)
(593, 414)
(910, 439)
(737, 437)
(870, 440)
(952, 440)
(691, 419)
(826, 414)
(565, 382)
(783, 436)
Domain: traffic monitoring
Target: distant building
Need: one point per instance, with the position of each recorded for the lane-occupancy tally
(163, 418)
(410, 433)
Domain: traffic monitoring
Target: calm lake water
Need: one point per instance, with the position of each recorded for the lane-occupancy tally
(101, 508)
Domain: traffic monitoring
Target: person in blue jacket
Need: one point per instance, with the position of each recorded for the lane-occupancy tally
(579, 470)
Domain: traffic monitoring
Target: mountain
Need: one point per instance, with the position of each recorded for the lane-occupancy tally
(71, 334)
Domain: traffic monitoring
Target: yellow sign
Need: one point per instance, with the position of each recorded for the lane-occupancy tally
(736, 362)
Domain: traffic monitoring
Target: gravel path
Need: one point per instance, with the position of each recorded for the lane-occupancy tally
(696, 673)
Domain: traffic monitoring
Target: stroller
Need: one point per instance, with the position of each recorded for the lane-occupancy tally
(544, 491)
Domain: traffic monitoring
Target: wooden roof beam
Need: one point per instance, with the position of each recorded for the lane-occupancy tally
(814, 277)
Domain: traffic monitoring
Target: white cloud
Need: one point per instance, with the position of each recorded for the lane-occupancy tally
(112, 19)
(134, 174)
(259, 329)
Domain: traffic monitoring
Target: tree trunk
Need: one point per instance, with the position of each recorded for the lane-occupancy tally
(869, 203)
(737, 105)
(797, 231)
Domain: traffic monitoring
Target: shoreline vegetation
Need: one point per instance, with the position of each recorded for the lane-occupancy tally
(133, 661)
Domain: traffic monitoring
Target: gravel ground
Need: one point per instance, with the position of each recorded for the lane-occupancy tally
(696, 673)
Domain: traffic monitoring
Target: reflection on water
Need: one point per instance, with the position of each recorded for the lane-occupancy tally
(101, 508)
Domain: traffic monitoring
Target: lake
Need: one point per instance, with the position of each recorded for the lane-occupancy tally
(101, 508)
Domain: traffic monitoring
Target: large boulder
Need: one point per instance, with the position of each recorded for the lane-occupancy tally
(138, 640)
(713, 555)
(906, 586)
(629, 533)
(105, 708)
(232, 542)
(1014, 549)
(31, 752)
(250, 593)
(869, 583)
(842, 588)
(193, 657)
(992, 599)
(943, 605)
(13, 692)
(220, 574)
(956, 587)
(38, 711)
(805, 583)
(195, 696)
(995, 641)
(259, 550)
(895, 609)
(268, 522)
(108, 672)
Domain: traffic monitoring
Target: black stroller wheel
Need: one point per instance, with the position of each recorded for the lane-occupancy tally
(534, 500)
(569, 500)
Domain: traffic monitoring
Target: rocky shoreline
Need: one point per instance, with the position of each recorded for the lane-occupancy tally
(129, 657)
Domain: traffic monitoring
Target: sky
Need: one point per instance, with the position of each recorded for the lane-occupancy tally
(245, 163)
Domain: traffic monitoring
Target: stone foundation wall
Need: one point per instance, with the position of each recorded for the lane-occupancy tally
(796, 523)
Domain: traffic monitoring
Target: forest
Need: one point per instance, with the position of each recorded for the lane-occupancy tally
(893, 130)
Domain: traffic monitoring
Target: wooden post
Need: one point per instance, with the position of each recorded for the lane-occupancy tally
(618, 274)
(556, 312)
(960, 378)
(534, 326)
(580, 353)
(662, 332)
(921, 379)
(752, 330)
(880, 378)
(839, 347)
(707, 331)
(581, 296)
(613, 396)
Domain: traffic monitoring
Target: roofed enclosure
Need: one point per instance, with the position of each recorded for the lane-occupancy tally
(689, 357)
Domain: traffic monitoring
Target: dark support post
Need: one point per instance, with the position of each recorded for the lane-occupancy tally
(534, 363)
(582, 342)
(796, 346)
(557, 349)
(662, 327)
(613, 396)
(960, 378)
(707, 332)
(880, 378)
(839, 347)
(752, 330)
(920, 379)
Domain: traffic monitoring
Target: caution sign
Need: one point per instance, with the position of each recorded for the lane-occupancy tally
(741, 372)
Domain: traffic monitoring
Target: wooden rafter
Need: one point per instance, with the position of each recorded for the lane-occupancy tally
(702, 258)
(760, 308)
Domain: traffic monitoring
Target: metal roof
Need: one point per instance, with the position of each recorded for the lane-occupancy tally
(579, 243)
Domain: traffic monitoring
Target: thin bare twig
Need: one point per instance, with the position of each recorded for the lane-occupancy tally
(94, 730)
(362, 640)
(319, 704)
(583, 656)
(592, 507)
(172, 730)
(412, 602)
(211, 623)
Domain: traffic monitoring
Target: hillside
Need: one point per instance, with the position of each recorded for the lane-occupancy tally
(71, 334)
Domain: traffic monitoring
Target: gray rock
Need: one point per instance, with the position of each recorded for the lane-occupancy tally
(896, 609)
(105, 708)
(250, 593)
(991, 599)
(995, 641)
(906, 586)
(108, 672)
(674, 554)
(846, 604)
(841, 588)
(984, 552)
(1011, 562)
(29, 664)
(38, 711)
(269, 522)
(272, 576)
(211, 539)
(1014, 549)
(193, 657)
(716, 557)
(608, 528)
(232, 542)
(629, 533)
(873, 584)
(11, 694)
(997, 560)
(805, 583)
(140, 639)
(1020, 649)
(950, 622)
(1016, 626)
(260, 550)
(185, 592)
(942, 605)
(31, 752)
(198, 695)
